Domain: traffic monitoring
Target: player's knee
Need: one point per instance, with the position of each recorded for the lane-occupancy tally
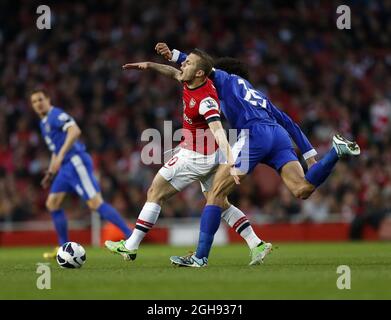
(218, 191)
(52, 204)
(303, 192)
(94, 203)
(217, 199)
(308, 189)
(151, 193)
(154, 195)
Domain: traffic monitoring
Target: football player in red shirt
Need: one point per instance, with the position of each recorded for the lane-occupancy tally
(196, 159)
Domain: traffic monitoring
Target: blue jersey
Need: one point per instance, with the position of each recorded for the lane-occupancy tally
(54, 130)
(243, 106)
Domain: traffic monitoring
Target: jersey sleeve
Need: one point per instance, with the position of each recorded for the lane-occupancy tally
(178, 56)
(209, 108)
(294, 131)
(62, 120)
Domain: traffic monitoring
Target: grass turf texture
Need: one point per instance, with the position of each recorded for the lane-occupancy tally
(293, 271)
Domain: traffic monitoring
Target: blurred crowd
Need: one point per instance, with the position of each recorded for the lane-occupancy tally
(326, 79)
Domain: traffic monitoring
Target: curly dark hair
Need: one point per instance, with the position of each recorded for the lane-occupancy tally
(232, 66)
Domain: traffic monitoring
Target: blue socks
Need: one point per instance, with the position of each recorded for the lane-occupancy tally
(109, 213)
(106, 211)
(61, 225)
(319, 172)
(210, 222)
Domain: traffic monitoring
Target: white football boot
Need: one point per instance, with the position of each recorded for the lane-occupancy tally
(344, 147)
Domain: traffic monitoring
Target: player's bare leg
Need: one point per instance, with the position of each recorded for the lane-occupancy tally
(158, 193)
(239, 222)
(303, 185)
(160, 190)
(223, 185)
(292, 175)
(95, 202)
(53, 205)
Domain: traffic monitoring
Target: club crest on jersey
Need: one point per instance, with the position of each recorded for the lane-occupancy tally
(192, 103)
(47, 127)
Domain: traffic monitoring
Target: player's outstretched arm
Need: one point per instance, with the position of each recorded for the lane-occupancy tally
(219, 134)
(161, 68)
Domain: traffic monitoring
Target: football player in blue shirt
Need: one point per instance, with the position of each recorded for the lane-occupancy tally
(70, 169)
(266, 138)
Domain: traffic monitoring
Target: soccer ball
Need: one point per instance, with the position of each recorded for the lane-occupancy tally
(71, 255)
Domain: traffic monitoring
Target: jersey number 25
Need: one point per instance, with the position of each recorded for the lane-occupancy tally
(252, 96)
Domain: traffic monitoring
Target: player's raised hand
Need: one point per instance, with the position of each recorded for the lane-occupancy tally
(137, 66)
(163, 49)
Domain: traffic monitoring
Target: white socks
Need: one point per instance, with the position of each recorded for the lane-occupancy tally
(239, 222)
(146, 220)
(150, 213)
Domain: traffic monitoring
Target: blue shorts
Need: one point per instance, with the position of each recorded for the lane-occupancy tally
(76, 176)
(263, 143)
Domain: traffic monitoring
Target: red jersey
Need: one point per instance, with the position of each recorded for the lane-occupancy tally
(199, 105)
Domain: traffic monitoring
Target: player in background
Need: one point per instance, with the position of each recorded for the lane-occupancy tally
(70, 169)
(269, 142)
(198, 153)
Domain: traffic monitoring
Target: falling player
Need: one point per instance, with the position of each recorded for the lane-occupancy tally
(267, 142)
(70, 168)
(198, 154)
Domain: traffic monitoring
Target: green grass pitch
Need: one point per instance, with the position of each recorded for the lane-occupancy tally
(292, 271)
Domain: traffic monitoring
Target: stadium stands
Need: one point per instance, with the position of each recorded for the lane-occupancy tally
(328, 80)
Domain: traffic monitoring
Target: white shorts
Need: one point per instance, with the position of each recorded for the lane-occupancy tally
(187, 166)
